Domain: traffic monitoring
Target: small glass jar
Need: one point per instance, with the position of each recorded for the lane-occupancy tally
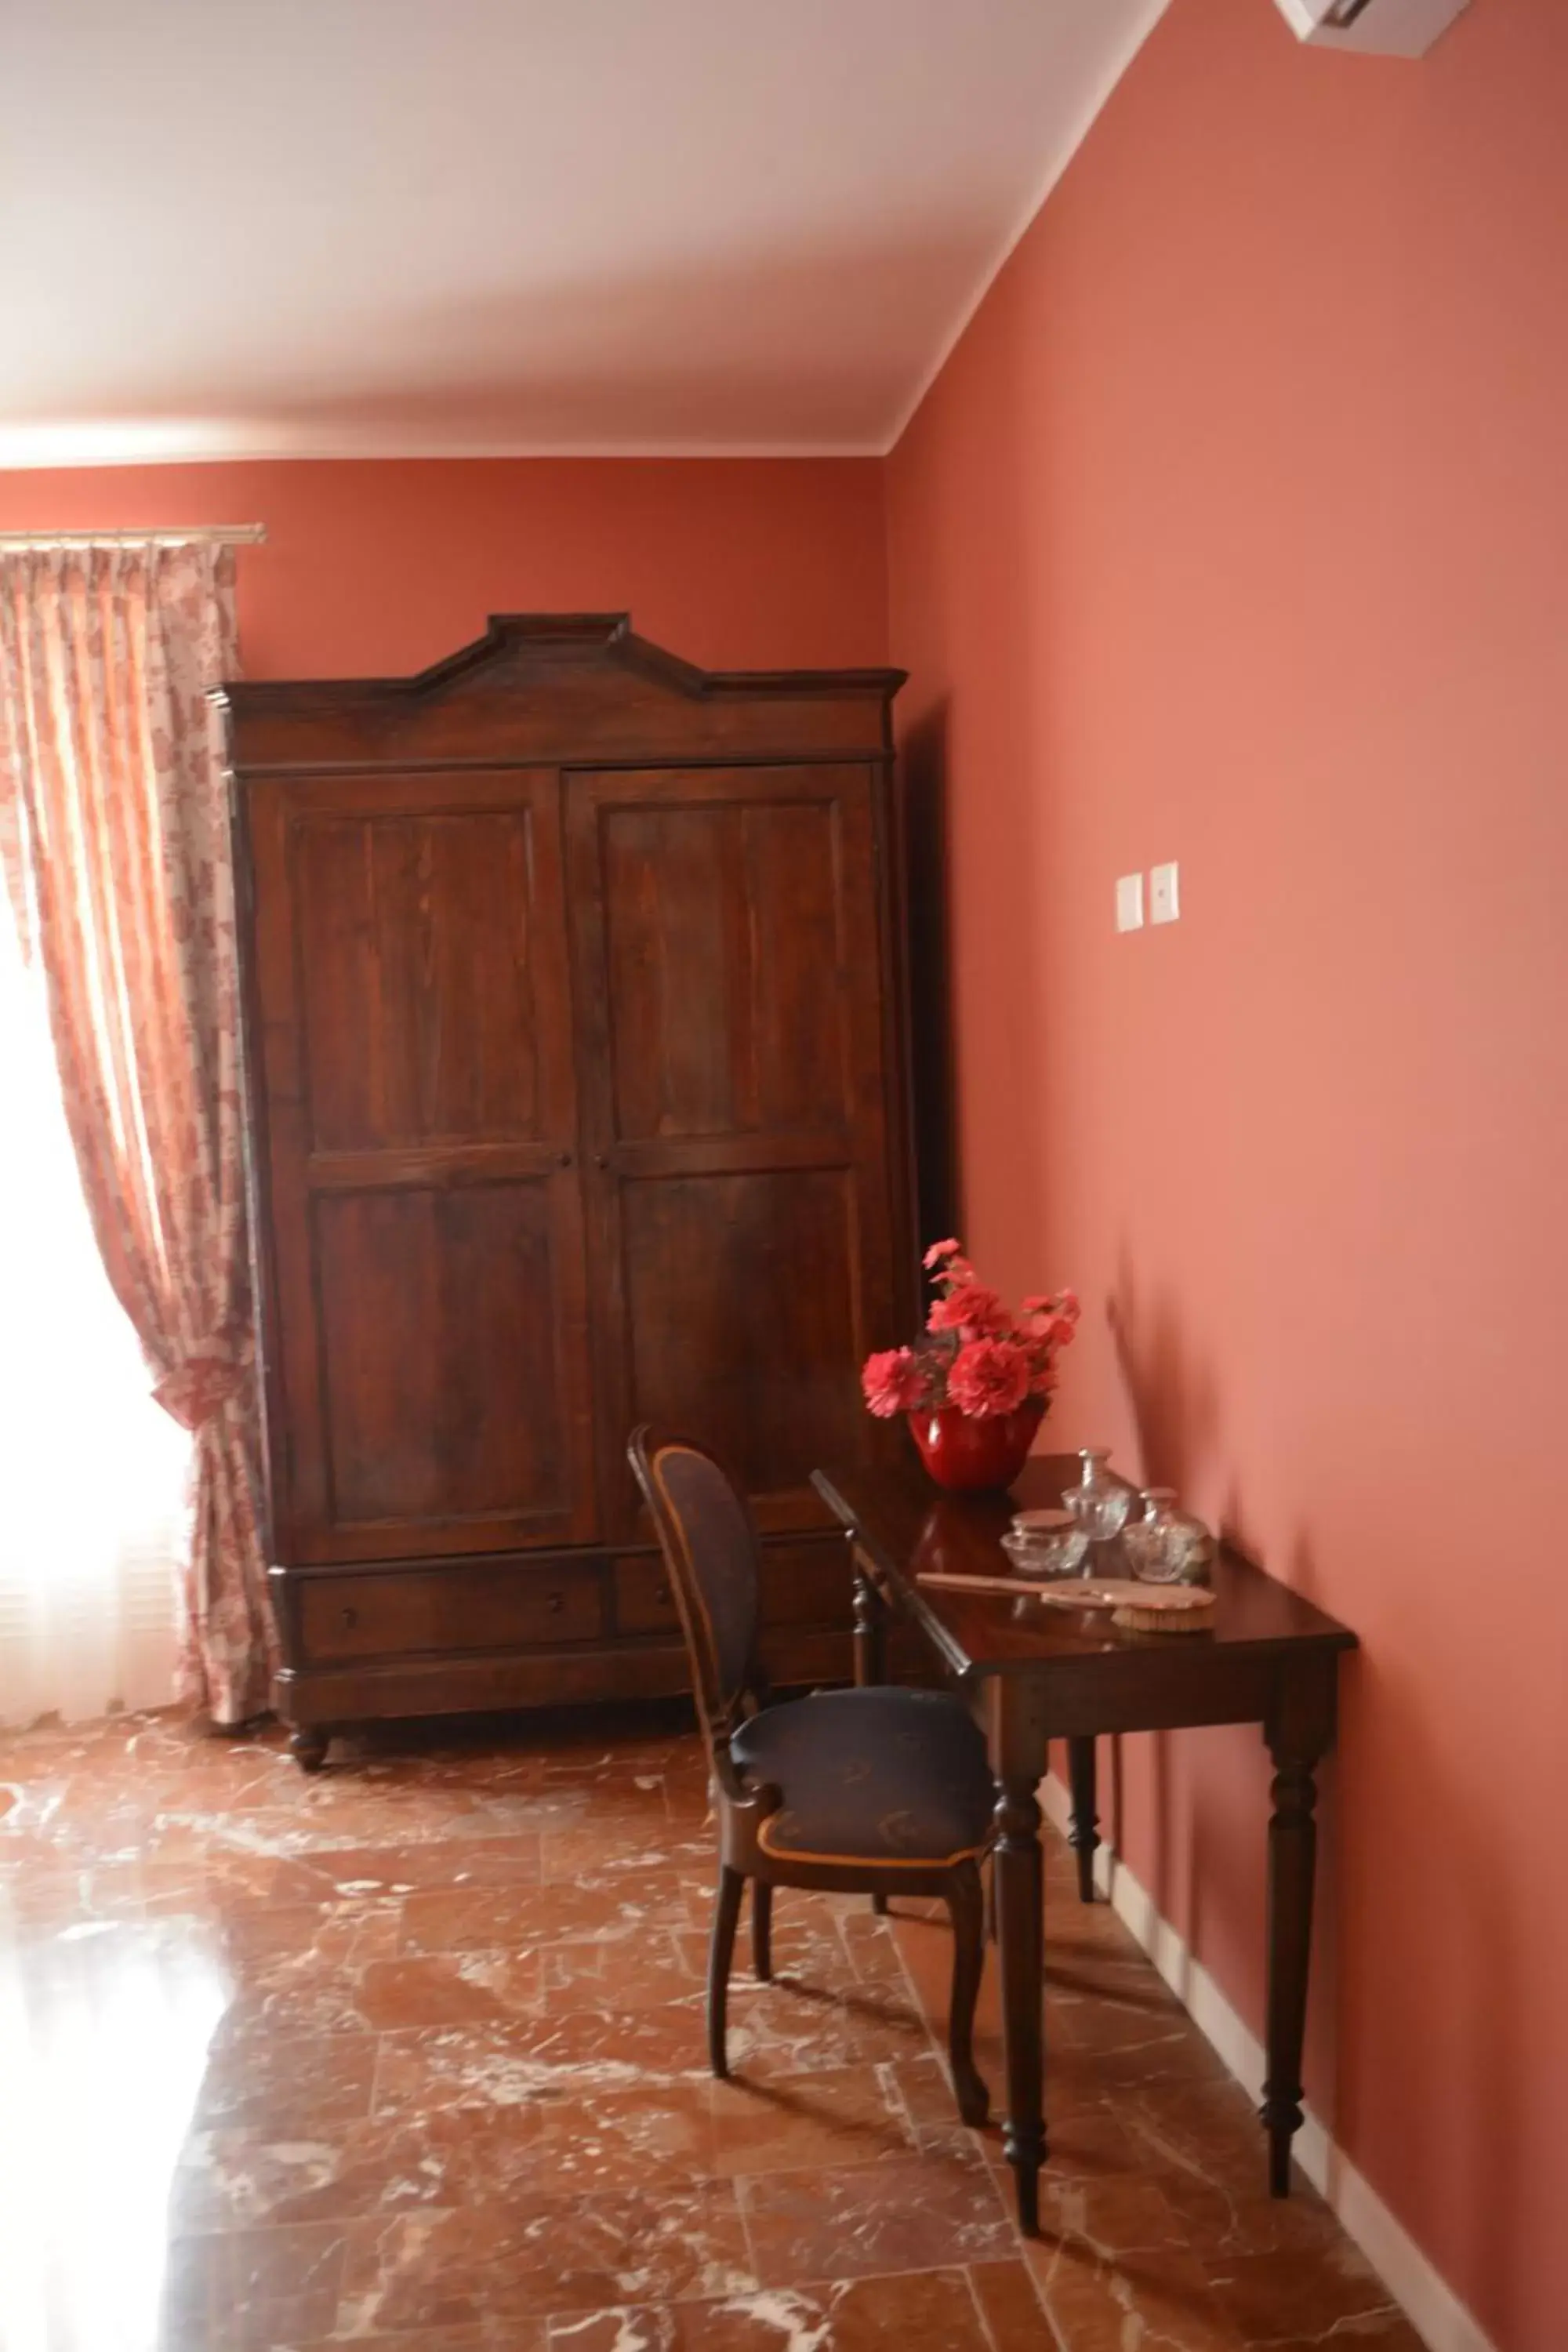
(1045, 1543)
(1099, 1503)
(1167, 1546)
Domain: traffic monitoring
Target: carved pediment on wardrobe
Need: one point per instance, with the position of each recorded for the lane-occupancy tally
(567, 685)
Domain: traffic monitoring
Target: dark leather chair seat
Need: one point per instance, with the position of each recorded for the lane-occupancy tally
(881, 1775)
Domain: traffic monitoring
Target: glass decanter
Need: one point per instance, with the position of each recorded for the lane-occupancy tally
(1099, 1503)
(1167, 1546)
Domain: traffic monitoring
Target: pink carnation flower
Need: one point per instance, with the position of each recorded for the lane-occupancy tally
(893, 1383)
(1063, 1304)
(988, 1377)
(938, 1251)
(970, 1307)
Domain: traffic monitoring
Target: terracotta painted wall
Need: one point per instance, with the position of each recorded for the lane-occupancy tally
(1236, 531)
(375, 568)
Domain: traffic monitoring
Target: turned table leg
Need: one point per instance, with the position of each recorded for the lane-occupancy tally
(1298, 1735)
(1019, 1883)
(870, 1650)
(1292, 1858)
(1084, 1835)
(871, 1629)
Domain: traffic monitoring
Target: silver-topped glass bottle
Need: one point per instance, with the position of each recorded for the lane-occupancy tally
(1167, 1546)
(1099, 1503)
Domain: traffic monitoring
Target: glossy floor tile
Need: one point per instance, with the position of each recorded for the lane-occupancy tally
(409, 2057)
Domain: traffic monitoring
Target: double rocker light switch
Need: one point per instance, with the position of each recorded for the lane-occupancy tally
(1164, 898)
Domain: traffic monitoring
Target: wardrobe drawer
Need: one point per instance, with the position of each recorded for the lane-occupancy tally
(644, 1602)
(803, 1584)
(450, 1609)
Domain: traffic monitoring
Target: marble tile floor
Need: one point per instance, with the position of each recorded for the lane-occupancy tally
(410, 2056)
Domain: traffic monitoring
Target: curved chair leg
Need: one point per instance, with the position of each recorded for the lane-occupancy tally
(967, 1908)
(721, 1952)
(763, 1930)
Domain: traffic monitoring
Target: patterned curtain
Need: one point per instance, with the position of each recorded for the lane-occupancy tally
(113, 836)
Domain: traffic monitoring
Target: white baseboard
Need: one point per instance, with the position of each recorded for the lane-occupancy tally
(1429, 2304)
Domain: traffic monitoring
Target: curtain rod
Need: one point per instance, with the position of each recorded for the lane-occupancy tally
(225, 534)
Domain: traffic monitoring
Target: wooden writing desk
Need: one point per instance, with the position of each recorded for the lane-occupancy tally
(1036, 1674)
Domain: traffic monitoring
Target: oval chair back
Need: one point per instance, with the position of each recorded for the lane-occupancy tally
(711, 1552)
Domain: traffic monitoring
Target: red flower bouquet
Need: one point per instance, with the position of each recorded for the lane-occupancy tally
(976, 1386)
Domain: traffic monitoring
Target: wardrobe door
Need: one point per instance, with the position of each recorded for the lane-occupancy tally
(730, 1024)
(424, 1322)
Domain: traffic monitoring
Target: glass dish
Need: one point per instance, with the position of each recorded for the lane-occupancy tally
(1046, 1544)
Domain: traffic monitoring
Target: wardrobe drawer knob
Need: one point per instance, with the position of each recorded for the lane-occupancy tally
(350, 1619)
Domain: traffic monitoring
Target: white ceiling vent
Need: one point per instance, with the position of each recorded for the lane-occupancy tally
(1383, 28)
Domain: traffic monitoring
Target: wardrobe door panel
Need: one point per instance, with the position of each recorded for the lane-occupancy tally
(741, 1294)
(421, 955)
(430, 1349)
(721, 937)
(728, 939)
(453, 1411)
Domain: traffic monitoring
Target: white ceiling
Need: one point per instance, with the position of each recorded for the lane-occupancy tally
(334, 227)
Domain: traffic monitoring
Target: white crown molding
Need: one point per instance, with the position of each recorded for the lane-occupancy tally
(22, 454)
(1138, 33)
(1424, 2295)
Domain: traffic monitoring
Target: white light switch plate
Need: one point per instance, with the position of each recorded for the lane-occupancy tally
(1129, 902)
(1164, 898)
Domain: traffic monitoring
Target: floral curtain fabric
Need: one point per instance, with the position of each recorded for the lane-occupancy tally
(113, 837)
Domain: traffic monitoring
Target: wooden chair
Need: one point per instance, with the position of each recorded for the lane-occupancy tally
(872, 1791)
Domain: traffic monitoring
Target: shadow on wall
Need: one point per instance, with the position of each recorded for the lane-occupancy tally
(1175, 1411)
(1174, 1404)
(1173, 1401)
(932, 1048)
(1213, 1898)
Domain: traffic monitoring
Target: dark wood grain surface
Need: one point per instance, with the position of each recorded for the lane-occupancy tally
(907, 1525)
(555, 687)
(574, 1058)
(415, 1052)
(1038, 1673)
(737, 1175)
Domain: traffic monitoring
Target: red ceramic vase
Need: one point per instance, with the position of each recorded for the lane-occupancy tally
(971, 1457)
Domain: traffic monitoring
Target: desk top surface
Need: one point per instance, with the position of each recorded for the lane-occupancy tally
(907, 1525)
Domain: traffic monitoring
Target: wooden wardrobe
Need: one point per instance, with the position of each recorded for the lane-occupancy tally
(575, 1056)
